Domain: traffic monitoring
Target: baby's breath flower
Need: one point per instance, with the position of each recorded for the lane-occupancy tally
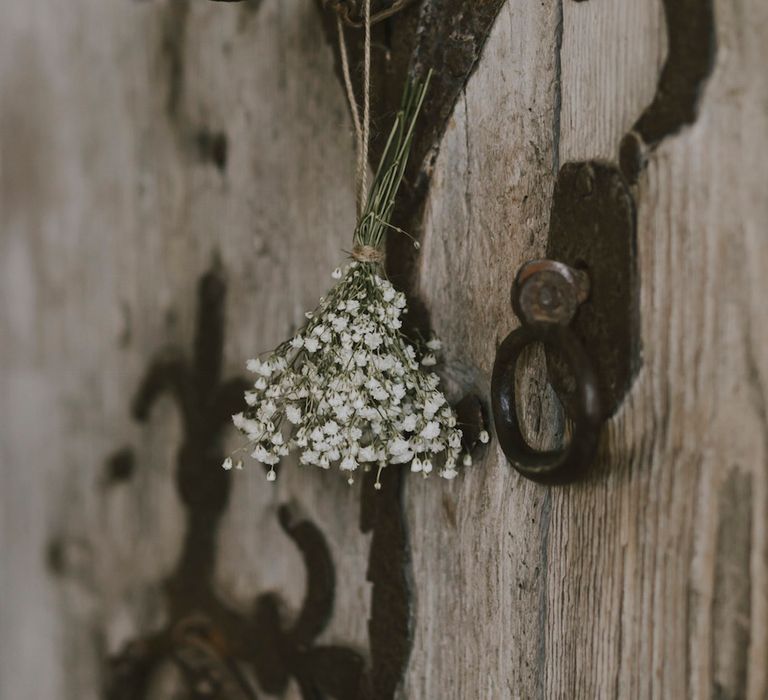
(429, 360)
(293, 414)
(348, 390)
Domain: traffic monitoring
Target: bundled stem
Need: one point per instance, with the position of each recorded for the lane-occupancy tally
(375, 219)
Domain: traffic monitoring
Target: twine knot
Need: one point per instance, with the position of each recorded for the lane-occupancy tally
(367, 254)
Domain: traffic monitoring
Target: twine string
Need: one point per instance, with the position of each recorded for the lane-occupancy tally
(368, 254)
(362, 127)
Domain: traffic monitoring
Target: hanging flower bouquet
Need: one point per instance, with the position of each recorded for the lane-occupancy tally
(348, 390)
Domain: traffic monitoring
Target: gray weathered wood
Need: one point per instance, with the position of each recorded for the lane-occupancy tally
(650, 580)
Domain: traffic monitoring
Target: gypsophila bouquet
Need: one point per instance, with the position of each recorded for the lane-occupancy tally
(348, 390)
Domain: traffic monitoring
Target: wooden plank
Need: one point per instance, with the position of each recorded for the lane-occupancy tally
(115, 201)
(143, 143)
(479, 544)
(651, 578)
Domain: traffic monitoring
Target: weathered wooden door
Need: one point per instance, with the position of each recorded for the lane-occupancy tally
(176, 185)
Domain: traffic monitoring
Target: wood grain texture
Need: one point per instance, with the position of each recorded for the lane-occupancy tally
(650, 579)
(113, 206)
(139, 142)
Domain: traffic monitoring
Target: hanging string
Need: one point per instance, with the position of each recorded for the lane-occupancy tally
(362, 166)
(362, 128)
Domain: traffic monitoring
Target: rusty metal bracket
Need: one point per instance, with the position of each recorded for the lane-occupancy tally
(582, 305)
(593, 344)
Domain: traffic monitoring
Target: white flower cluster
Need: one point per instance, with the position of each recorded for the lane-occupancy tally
(349, 391)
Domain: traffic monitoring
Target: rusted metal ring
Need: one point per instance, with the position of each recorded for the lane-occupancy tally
(555, 466)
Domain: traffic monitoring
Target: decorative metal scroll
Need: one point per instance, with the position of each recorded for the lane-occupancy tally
(209, 650)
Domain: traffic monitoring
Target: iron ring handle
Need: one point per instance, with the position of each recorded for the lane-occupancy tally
(556, 466)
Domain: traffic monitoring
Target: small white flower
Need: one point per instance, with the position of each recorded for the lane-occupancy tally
(467, 460)
(403, 458)
(239, 421)
(267, 410)
(431, 430)
(228, 463)
(435, 345)
(484, 437)
(429, 360)
(426, 466)
(399, 446)
(449, 474)
(367, 454)
(265, 369)
(336, 274)
(348, 464)
(310, 457)
(373, 340)
(311, 344)
(271, 476)
(297, 342)
(409, 423)
(293, 414)
(339, 323)
(261, 454)
(380, 394)
(432, 405)
(343, 413)
(416, 465)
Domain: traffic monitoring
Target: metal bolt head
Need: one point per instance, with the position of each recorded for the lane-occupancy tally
(547, 291)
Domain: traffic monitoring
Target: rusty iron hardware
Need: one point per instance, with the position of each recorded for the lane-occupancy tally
(208, 649)
(546, 296)
(592, 343)
(582, 304)
(351, 11)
